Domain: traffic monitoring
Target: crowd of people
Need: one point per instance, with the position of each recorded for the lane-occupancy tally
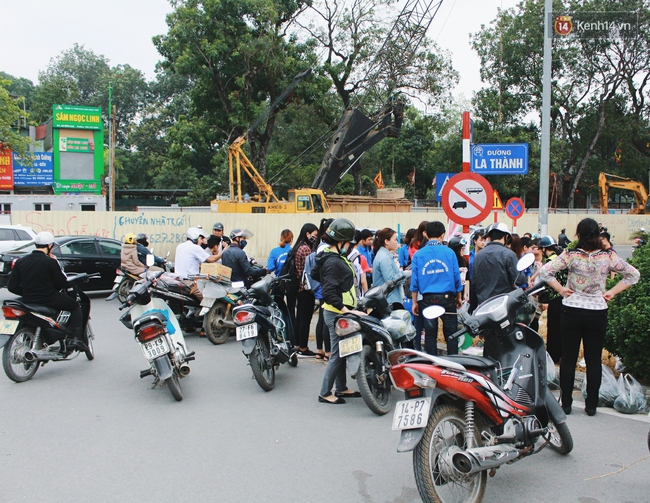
(332, 265)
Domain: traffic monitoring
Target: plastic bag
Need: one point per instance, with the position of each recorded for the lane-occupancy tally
(552, 378)
(631, 398)
(608, 392)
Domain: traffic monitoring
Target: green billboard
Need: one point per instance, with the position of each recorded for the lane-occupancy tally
(76, 117)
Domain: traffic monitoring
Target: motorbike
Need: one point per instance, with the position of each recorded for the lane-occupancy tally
(219, 298)
(365, 342)
(464, 416)
(159, 334)
(124, 281)
(34, 335)
(180, 299)
(261, 328)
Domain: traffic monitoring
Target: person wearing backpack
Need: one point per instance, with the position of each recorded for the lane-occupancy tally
(323, 346)
(275, 264)
(305, 298)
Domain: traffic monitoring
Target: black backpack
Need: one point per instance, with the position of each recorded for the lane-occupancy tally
(290, 284)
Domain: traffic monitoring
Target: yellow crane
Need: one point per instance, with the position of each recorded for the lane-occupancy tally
(607, 181)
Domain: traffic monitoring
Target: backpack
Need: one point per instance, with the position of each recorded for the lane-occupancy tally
(309, 283)
(290, 285)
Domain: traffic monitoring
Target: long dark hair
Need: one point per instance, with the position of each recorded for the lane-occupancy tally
(381, 237)
(419, 240)
(308, 228)
(588, 234)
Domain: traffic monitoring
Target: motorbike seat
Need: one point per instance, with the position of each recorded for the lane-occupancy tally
(474, 362)
(47, 311)
(178, 287)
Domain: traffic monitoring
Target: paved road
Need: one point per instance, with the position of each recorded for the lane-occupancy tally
(93, 431)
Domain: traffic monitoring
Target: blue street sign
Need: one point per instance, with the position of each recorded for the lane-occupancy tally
(499, 159)
(441, 179)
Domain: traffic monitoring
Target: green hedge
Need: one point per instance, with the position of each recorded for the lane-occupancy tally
(628, 327)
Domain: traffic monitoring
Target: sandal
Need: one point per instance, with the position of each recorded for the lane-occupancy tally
(326, 358)
(338, 401)
(320, 356)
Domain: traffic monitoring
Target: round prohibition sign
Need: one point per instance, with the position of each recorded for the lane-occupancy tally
(467, 198)
(515, 208)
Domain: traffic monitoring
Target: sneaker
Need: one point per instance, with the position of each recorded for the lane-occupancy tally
(307, 353)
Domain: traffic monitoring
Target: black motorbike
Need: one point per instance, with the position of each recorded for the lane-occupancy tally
(33, 335)
(261, 328)
(179, 297)
(124, 281)
(365, 342)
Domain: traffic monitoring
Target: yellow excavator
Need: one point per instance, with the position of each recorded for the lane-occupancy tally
(607, 181)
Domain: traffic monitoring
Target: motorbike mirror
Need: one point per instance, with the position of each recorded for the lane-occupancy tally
(526, 260)
(150, 259)
(432, 312)
(168, 253)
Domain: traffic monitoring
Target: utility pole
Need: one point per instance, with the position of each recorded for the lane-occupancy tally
(111, 175)
(114, 170)
(546, 121)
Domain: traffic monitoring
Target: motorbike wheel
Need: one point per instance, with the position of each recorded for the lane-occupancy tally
(560, 437)
(215, 331)
(376, 395)
(174, 386)
(88, 339)
(263, 371)
(12, 356)
(649, 440)
(436, 478)
(124, 289)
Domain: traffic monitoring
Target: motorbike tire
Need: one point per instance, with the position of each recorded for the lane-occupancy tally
(88, 339)
(560, 437)
(174, 387)
(376, 395)
(649, 440)
(21, 341)
(215, 331)
(259, 358)
(124, 289)
(445, 429)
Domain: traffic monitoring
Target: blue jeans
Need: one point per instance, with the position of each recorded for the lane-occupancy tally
(449, 323)
(335, 370)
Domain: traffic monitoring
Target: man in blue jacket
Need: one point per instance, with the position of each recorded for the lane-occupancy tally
(436, 278)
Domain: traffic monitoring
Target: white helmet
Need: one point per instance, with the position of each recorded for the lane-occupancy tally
(44, 239)
(193, 233)
(499, 226)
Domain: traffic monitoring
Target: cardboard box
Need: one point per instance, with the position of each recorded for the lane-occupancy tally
(217, 270)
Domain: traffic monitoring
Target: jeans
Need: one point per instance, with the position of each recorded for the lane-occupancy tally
(336, 368)
(449, 323)
(588, 326)
(322, 333)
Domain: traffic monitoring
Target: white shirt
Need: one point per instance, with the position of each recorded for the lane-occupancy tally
(188, 259)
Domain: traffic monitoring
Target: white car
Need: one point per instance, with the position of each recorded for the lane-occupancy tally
(13, 236)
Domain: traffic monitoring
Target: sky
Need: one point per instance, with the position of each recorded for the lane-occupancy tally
(35, 31)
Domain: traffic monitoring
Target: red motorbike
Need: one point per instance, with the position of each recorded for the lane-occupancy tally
(465, 416)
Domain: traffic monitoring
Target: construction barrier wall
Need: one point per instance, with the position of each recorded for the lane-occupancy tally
(167, 229)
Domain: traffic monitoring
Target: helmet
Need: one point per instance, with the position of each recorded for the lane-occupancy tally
(44, 239)
(218, 226)
(142, 238)
(547, 242)
(193, 233)
(241, 233)
(341, 229)
(499, 226)
(479, 232)
(456, 242)
(129, 239)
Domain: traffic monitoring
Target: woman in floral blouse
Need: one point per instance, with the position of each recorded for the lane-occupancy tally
(584, 306)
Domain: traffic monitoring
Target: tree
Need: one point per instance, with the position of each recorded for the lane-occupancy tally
(588, 75)
(239, 58)
(10, 116)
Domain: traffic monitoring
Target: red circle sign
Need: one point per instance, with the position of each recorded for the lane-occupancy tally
(515, 208)
(467, 198)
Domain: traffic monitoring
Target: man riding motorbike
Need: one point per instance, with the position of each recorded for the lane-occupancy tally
(39, 279)
(142, 244)
(235, 258)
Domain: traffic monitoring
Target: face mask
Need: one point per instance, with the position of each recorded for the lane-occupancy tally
(312, 239)
(343, 251)
(204, 245)
(243, 243)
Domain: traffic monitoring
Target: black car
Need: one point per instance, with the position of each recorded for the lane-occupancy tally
(76, 254)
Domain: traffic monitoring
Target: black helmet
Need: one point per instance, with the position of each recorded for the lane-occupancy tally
(341, 229)
(456, 242)
(142, 238)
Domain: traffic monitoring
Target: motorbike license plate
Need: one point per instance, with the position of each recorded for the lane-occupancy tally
(155, 348)
(246, 331)
(8, 327)
(207, 301)
(410, 414)
(350, 346)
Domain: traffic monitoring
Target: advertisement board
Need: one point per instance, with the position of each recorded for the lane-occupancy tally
(76, 117)
(38, 172)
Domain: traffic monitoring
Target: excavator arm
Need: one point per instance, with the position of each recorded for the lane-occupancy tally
(605, 181)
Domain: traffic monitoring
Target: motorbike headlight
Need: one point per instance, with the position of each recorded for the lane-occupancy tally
(345, 326)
